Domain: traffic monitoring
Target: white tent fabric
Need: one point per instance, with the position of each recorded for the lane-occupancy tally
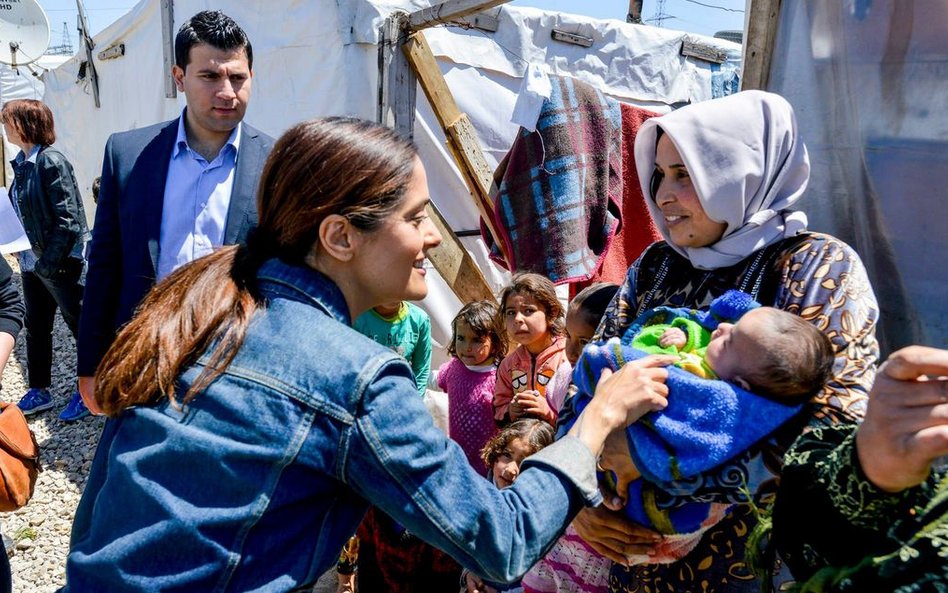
(24, 82)
(319, 57)
(869, 81)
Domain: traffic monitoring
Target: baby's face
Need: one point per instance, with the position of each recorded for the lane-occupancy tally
(734, 347)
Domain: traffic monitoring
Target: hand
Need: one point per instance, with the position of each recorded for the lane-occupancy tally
(474, 584)
(531, 403)
(87, 391)
(673, 336)
(614, 536)
(621, 398)
(345, 583)
(515, 410)
(906, 425)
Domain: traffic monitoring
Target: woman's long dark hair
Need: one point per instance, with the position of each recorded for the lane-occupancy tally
(351, 167)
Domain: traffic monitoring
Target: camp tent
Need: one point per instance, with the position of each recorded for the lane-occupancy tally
(869, 82)
(320, 57)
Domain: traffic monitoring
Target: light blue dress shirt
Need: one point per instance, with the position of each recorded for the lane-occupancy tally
(197, 197)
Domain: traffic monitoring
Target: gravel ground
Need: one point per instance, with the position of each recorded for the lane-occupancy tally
(40, 530)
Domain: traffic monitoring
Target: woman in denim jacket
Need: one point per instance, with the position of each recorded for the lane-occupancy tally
(46, 198)
(251, 426)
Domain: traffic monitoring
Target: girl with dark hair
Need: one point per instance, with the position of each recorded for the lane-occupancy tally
(46, 198)
(533, 318)
(251, 426)
(476, 348)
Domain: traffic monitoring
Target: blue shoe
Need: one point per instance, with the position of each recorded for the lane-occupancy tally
(74, 410)
(35, 400)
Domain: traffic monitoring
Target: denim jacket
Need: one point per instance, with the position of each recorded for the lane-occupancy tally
(256, 484)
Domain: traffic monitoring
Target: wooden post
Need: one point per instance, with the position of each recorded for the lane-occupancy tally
(759, 45)
(462, 139)
(167, 46)
(397, 83)
(396, 109)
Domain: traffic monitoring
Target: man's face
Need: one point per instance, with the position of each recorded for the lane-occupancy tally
(216, 83)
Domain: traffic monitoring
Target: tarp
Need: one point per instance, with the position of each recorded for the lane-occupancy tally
(319, 57)
(869, 82)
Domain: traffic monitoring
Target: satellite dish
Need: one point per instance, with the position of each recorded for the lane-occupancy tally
(24, 31)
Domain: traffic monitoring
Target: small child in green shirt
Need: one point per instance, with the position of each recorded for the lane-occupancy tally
(406, 329)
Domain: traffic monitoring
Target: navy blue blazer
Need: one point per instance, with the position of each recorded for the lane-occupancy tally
(123, 256)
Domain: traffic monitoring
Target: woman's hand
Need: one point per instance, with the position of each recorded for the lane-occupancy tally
(474, 584)
(673, 336)
(614, 536)
(623, 397)
(906, 425)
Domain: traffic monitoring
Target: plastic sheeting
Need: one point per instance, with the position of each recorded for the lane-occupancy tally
(319, 57)
(869, 82)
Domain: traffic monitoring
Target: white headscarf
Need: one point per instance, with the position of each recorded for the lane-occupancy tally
(748, 166)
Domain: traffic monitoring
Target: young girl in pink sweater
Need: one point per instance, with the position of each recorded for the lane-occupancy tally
(468, 378)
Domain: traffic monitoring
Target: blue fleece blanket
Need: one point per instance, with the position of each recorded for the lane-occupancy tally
(706, 422)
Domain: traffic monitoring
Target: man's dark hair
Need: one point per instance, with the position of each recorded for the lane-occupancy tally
(214, 28)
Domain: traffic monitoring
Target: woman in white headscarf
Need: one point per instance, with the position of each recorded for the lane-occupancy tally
(724, 176)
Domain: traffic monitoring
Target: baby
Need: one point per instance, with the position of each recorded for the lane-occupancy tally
(768, 352)
(767, 364)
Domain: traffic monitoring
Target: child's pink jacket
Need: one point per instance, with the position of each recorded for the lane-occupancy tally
(520, 371)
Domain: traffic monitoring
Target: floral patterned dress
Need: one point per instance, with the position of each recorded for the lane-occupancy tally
(812, 275)
(902, 538)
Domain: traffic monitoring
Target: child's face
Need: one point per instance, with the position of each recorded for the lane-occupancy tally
(525, 320)
(471, 349)
(506, 467)
(734, 347)
(578, 334)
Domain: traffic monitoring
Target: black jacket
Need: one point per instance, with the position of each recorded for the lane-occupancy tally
(51, 209)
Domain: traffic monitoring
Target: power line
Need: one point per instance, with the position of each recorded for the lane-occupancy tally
(714, 6)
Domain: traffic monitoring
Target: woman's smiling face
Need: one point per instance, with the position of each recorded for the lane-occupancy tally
(687, 223)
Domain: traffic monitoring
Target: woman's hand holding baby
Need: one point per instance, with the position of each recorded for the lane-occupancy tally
(621, 398)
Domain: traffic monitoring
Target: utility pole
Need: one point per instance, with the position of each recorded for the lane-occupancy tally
(660, 15)
(64, 48)
(635, 12)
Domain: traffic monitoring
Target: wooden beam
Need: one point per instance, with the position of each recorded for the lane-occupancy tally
(456, 265)
(396, 109)
(462, 141)
(448, 11)
(759, 46)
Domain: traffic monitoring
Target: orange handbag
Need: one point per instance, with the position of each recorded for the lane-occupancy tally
(19, 458)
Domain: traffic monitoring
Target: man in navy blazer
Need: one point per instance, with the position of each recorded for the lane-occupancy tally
(173, 191)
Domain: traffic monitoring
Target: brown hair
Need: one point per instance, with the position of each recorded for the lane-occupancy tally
(795, 362)
(351, 167)
(32, 120)
(481, 317)
(536, 433)
(591, 302)
(543, 291)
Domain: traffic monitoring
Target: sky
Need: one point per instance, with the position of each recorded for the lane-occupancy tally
(696, 16)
